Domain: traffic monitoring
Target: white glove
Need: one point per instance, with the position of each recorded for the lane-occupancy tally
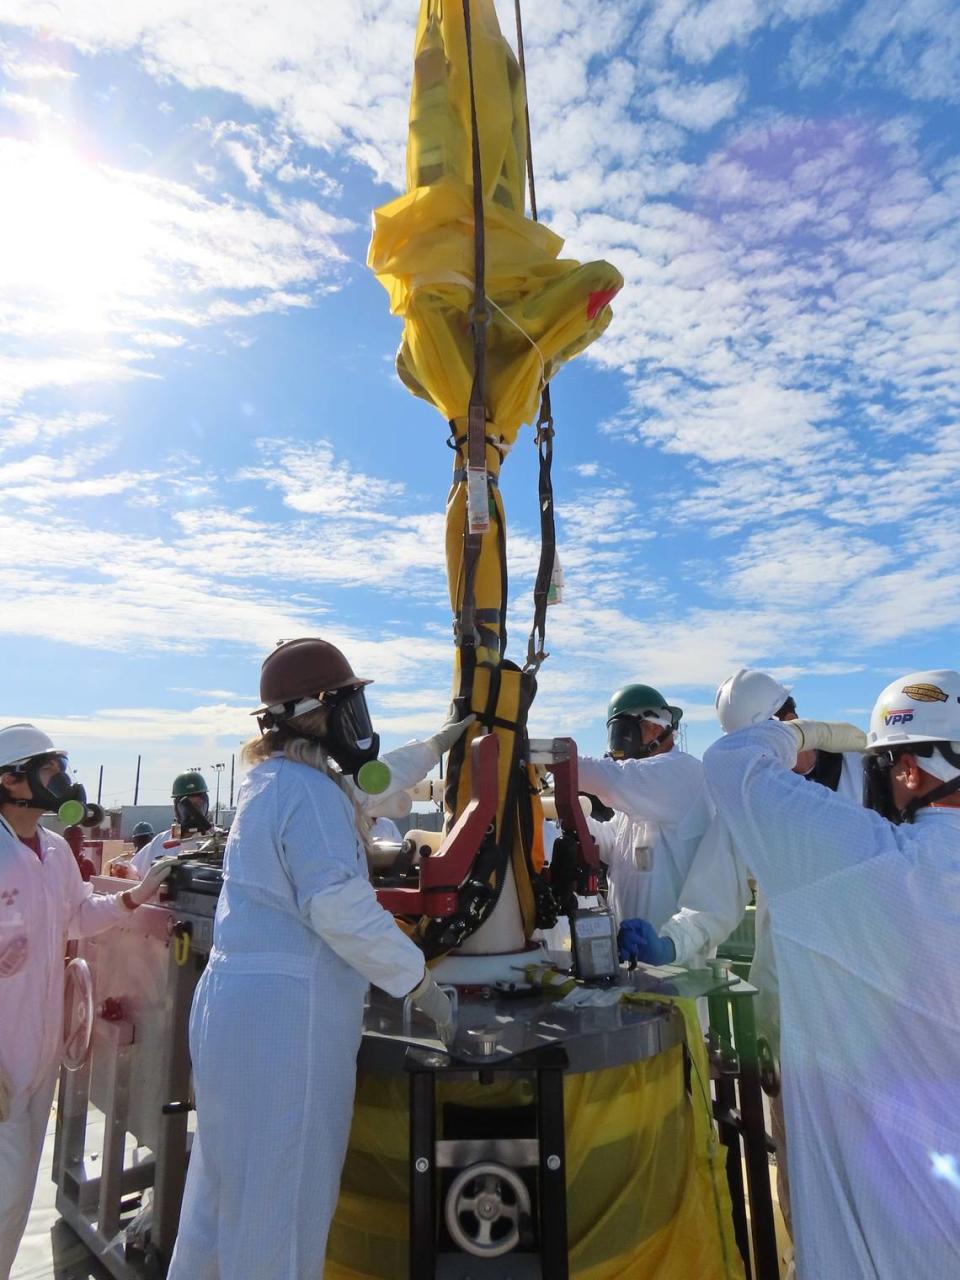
(151, 882)
(821, 735)
(448, 734)
(6, 1095)
(429, 999)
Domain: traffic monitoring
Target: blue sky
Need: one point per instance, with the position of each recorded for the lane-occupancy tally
(203, 447)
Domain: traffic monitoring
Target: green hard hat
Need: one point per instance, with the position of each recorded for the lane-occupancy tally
(143, 829)
(189, 784)
(634, 699)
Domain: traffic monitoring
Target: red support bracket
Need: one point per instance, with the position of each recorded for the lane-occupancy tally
(559, 756)
(443, 873)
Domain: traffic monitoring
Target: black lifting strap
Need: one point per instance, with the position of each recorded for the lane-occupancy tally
(548, 538)
(477, 411)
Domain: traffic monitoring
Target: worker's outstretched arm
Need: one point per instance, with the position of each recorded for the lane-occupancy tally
(659, 789)
(789, 832)
(409, 764)
(89, 913)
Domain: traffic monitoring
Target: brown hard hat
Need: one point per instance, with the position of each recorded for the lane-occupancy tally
(302, 669)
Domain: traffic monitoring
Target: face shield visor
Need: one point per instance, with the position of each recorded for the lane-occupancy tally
(350, 740)
(625, 734)
(191, 813)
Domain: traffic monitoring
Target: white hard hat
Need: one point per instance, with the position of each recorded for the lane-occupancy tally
(21, 742)
(749, 697)
(921, 707)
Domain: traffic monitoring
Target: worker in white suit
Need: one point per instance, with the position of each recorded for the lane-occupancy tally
(864, 909)
(277, 1016)
(718, 889)
(660, 803)
(43, 903)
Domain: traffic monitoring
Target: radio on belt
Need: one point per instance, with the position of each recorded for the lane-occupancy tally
(593, 932)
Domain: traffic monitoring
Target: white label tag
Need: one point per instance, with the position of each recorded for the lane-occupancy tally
(642, 859)
(593, 926)
(478, 500)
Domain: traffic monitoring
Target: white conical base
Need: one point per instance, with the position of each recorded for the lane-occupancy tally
(497, 952)
(503, 931)
(459, 970)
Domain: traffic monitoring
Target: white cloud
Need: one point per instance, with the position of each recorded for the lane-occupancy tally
(27, 428)
(16, 66)
(703, 31)
(23, 104)
(912, 46)
(313, 481)
(88, 251)
(699, 106)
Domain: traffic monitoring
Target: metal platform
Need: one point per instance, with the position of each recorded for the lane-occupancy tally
(138, 1077)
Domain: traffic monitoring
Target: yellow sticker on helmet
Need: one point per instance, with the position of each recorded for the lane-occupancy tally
(924, 693)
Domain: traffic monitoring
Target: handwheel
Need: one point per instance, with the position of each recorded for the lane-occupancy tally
(78, 1014)
(484, 1206)
(769, 1068)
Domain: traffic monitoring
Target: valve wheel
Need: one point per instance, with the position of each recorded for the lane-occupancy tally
(769, 1068)
(483, 1209)
(78, 1014)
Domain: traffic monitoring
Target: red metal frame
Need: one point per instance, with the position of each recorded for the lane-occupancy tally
(566, 786)
(443, 872)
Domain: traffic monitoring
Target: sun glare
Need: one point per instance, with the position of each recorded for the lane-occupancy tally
(77, 241)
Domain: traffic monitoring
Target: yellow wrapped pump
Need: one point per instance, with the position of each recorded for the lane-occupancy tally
(490, 313)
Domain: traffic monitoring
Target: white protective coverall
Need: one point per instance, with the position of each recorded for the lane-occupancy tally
(716, 895)
(385, 829)
(43, 903)
(661, 814)
(276, 1026)
(863, 916)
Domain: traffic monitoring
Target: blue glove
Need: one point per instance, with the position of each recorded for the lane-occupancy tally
(639, 941)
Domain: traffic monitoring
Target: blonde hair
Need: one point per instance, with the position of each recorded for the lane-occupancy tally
(290, 738)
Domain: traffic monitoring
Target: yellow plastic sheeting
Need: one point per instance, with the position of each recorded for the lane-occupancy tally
(545, 310)
(645, 1199)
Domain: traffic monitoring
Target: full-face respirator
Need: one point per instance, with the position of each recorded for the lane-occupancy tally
(350, 740)
(348, 737)
(191, 813)
(59, 794)
(625, 734)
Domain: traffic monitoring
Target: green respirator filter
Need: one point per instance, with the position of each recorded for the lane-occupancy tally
(71, 812)
(373, 777)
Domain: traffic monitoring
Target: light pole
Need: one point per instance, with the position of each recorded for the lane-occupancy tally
(216, 807)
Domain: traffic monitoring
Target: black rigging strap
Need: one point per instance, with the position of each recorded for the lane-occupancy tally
(477, 411)
(548, 538)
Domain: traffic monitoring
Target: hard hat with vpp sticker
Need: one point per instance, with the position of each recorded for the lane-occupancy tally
(921, 707)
